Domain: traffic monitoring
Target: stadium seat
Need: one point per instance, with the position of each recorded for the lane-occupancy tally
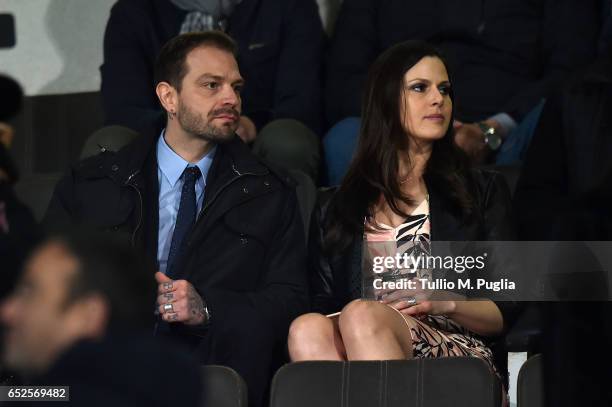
(307, 196)
(110, 138)
(35, 190)
(453, 381)
(524, 335)
(222, 387)
(530, 390)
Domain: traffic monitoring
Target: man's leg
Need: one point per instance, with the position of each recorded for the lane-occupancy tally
(247, 346)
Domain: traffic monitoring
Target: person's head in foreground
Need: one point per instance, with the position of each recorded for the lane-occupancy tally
(406, 135)
(75, 287)
(198, 84)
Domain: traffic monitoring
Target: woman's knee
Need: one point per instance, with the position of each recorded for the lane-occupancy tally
(364, 323)
(370, 317)
(308, 334)
(362, 318)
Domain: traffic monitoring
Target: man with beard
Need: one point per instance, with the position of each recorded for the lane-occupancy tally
(281, 48)
(223, 227)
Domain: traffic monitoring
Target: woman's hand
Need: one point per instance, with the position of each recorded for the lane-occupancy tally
(418, 302)
(430, 307)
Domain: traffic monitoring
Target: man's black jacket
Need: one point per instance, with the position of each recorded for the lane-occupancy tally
(245, 254)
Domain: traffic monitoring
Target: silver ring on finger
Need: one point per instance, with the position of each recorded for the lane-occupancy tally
(168, 308)
(410, 300)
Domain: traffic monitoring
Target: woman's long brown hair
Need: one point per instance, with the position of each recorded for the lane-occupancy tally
(373, 171)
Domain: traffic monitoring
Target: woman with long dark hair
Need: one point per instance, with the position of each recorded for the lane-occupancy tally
(408, 183)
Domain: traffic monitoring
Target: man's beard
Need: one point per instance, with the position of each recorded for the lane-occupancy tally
(193, 123)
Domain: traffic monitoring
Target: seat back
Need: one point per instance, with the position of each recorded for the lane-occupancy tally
(530, 384)
(110, 138)
(452, 381)
(222, 387)
(307, 196)
(36, 190)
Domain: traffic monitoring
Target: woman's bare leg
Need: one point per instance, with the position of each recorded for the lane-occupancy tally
(373, 331)
(315, 337)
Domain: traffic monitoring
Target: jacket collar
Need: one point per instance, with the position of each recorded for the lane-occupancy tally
(126, 165)
(243, 161)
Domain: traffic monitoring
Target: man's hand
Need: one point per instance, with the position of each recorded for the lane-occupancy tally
(179, 301)
(246, 130)
(469, 138)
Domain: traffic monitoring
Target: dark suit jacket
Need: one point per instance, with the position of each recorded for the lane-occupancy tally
(280, 46)
(565, 188)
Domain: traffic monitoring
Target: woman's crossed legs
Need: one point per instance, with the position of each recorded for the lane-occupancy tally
(365, 330)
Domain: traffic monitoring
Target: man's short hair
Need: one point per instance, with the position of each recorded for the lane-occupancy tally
(109, 267)
(171, 64)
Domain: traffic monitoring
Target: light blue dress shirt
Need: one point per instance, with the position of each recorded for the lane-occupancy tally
(170, 167)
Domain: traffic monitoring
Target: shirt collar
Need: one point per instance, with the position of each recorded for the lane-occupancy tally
(172, 165)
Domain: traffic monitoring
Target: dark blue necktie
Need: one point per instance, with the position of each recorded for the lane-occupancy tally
(186, 215)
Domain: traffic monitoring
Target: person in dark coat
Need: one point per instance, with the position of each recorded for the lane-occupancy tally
(506, 56)
(565, 193)
(223, 227)
(565, 188)
(80, 317)
(280, 51)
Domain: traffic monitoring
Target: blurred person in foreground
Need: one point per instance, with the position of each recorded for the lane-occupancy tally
(81, 316)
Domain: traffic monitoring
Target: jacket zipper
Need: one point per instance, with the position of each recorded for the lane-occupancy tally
(129, 183)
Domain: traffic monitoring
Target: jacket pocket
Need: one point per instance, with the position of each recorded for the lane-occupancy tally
(248, 223)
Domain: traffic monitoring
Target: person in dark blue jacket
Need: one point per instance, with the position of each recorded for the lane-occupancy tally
(280, 55)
